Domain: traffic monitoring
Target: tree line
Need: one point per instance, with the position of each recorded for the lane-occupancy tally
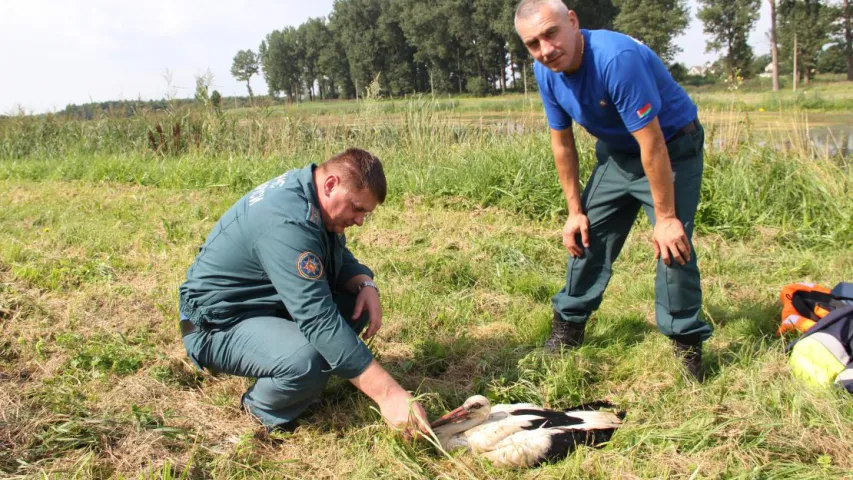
(470, 46)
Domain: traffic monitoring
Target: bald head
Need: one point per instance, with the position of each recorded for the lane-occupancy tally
(528, 8)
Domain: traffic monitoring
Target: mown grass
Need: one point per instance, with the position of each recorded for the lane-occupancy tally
(94, 241)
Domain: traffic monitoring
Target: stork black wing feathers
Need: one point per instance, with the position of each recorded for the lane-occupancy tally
(547, 418)
(565, 442)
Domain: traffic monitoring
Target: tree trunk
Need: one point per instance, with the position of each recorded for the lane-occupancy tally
(512, 73)
(796, 73)
(524, 76)
(503, 70)
(848, 39)
(774, 49)
(730, 59)
(459, 69)
(251, 97)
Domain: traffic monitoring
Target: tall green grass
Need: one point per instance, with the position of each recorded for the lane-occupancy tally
(799, 194)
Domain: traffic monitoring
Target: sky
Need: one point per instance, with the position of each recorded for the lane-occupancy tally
(56, 52)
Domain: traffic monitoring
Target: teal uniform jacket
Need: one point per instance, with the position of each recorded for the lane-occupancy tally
(270, 254)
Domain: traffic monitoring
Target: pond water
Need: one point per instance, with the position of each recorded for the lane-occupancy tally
(823, 134)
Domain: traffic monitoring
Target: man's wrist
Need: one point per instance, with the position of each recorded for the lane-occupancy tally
(663, 217)
(367, 283)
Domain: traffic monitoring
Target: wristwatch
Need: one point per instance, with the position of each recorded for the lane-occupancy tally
(367, 283)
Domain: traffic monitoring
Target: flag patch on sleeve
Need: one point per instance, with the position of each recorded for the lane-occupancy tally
(644, 111)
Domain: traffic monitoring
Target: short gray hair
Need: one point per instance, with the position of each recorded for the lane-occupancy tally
(527, 8)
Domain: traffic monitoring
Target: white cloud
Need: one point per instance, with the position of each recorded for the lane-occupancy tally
(54, 53)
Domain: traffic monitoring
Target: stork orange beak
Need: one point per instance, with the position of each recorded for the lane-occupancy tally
(450, 417)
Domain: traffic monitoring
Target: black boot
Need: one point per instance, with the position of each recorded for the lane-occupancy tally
(564, 334)
(689, 349)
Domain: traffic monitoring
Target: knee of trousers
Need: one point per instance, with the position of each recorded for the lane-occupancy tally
(305, 371)
(678, 287)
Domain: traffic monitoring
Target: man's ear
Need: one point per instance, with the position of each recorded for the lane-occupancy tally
(332, 182)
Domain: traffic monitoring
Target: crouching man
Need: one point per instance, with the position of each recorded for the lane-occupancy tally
(275, 294)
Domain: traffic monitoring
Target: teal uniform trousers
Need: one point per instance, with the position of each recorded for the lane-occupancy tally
(291, 374)
(612, 199)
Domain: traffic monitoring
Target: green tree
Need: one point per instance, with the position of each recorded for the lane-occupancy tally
(438, 53)
(806, 24)
(845, 40)
(371, 39)
(729, 22)
(281, 59)
(244, 67)
(330, 67)
(678, 71)
(654, 22)
(504, 25)
(831, 60)
(309, 37)
(398, 65)
(216, 100)
(594, 15)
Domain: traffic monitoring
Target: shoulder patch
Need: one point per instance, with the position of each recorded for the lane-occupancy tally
(313, 215)
(309, 266)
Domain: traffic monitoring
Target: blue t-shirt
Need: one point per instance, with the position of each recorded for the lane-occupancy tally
(620, 87)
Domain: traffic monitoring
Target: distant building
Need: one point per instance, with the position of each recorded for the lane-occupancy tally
(768, 71)
(700, 70)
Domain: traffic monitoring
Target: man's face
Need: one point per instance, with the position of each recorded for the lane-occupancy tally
(551, 37)
(345, 207)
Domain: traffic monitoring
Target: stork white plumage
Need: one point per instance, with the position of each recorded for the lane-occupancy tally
(521, 435)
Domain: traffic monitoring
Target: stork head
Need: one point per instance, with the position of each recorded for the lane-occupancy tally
(473, 412)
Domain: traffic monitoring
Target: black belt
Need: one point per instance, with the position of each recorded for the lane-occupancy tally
(690, 128)
(187, 327)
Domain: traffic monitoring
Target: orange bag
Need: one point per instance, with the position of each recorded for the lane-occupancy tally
(803, 304)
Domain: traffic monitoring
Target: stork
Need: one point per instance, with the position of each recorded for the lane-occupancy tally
(521, 435)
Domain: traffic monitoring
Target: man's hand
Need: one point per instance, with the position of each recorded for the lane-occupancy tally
(576, 224)
(398, 407)
(368, 298)
(669, 239)
(405, 415)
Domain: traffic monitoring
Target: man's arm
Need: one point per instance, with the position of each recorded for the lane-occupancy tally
(669, 237)
(566, 161)
(367, 298)
(352, 284)
(288, 253)
(397, 405)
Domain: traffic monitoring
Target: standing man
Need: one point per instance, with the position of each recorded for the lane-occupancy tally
(275, 294)
(650, 154)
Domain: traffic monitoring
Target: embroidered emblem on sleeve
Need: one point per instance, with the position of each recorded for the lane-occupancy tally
(309, 266)
(644, 111)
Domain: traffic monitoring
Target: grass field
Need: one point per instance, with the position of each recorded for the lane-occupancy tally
(97, 230)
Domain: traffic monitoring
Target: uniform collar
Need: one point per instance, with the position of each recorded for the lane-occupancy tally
(306, 177)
